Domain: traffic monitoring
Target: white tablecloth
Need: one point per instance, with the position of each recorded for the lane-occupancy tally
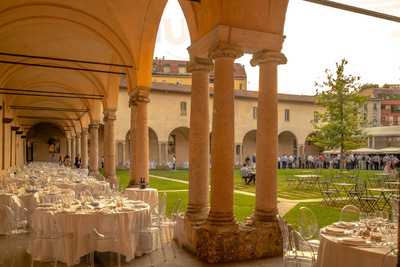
(96, 188)
(334, 254)
(79, 226)
(148, 195)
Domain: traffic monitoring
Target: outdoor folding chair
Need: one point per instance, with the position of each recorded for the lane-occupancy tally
(368, 202)
(329, 195)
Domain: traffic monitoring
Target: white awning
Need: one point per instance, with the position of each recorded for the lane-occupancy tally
(383, 131)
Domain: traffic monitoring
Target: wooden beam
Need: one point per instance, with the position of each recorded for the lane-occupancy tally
(60, 67)
(48, 118)
(355, 9)
(49, 109)
(47, 92)
(65, 60)
(8, 91)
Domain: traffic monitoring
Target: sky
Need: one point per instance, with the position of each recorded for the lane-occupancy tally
(316, 38)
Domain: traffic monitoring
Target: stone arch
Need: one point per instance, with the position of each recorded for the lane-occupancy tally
(46, 141)
(249, 144)
(153, 148)
(287, 143)
(178, 145)
(310, 148)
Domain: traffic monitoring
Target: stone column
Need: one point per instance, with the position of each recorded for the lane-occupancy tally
(197, 209)
(373, 142)
(78, 151)
(94, 149)
(84, 148)
(73, 150)
(109, 145)
(69, 147)
(139, 135)
(267, 135)
(222, 147)
(160, 161)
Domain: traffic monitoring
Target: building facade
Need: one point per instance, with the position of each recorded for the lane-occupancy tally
(169, 113)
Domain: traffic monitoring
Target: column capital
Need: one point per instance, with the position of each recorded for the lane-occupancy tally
(224, 49)
(199, 64)
(110, 114)
(141, 94)
(85, 131)
(266, 56)
(94, 125)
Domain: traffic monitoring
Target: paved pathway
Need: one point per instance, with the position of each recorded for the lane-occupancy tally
(284, 205)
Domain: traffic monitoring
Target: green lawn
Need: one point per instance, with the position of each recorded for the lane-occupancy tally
(325, 215)
(284, 190)
(244, 205)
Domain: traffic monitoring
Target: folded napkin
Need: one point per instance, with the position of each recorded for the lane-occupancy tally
(334, 231)
(354, 241)
(345, 225)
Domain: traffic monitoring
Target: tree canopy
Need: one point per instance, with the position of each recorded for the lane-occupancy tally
(339, 125)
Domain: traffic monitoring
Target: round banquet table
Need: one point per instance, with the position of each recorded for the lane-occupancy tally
(147, 195)
(332, 253)
(77, 227)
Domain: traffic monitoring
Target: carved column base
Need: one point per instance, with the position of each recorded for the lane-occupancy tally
(197, 213)
(221, 219)
(263, 216)
(218, 244)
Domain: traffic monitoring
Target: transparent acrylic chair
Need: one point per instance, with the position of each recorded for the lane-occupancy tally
(289, 256)
(350, 213)
(99, 237)
(53, 237)
(308, 226)
(390, 258)
(169, 225)
(305, 253)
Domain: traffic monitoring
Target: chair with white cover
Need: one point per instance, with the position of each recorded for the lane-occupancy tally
(350, 213)
(308, 226)
(305, 254)
(289, 255)
(7, 226)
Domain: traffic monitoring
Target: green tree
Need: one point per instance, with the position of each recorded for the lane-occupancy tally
(339, 125)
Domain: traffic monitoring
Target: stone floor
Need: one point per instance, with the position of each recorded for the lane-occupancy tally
(18, 245)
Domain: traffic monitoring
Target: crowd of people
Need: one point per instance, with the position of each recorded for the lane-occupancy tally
(66, 161)
(351, 161)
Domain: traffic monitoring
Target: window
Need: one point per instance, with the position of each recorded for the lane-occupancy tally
(375, 107)
(182, 69)
(255, 113)
(166, 69)
(395, 120)
(240, 86)
(183, 109)
(287, 115)
(316, 116)
(375, 123)
(366, 107)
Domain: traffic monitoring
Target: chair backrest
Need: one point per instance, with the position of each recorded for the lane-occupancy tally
(394, 201)
(308, 223)
(176, 209)
(350, 213)
(7, 220)
(302, 248)
(162, 204)
(390, 258)
(285, 233)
